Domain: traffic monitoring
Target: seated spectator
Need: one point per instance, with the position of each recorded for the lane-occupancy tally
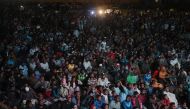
(105, 96)
(42, 84)
(115, 104)
(68, 104)
(154, 102)
(63, 91)
(136, 101)
(24, 70)
(165, 101)
(55, 90)
(92, 81)
(127, 104)
(171, 96)
(87, 64)
(52, 56)
(172, 106)
(99, 102)
(103, 81)
(76, 99)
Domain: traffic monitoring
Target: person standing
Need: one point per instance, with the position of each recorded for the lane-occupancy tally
(115, 104)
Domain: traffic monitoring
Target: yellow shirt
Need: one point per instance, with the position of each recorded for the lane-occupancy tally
(71, 67)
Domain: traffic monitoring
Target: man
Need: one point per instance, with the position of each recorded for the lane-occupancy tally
(115, 104)
(136, 100)
(127, 104)
(172, 106)
(68, 104)
(171, 96)
(99, 103)
(63, 91)
(116, 88)
(105, 96)
(76, 99)
(103, 81)
(87, 64)
(154, 102)
(28, 93)
(24, 70)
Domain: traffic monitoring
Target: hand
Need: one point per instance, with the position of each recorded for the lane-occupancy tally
(121, 83)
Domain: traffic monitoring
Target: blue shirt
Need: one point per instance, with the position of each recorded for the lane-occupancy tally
(55, 92)
(24, 70)
(98, 104)
(147, 78)
(123, 95)
(131, 92)
(117, 90)
(74, 100)
(11, 62)
(127, 104)
(111, 98)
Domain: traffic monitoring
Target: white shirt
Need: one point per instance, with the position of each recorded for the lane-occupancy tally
(76, 33)
(45, 66)
(106, 98)
(24, 70)
(87, 64)
(115, 105)
(103, 82)
(117, 90)
(171, 97)
(137, 90)
(33, 50)
(63, 91)
(102, 46)
(57, 62)
(166, 26)
(33, 65)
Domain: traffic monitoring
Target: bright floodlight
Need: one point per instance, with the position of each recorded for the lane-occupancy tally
(156, 1)
(92, 12)
(100, 12)
(21, 7)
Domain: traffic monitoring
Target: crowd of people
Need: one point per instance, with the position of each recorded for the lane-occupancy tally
(59, 57)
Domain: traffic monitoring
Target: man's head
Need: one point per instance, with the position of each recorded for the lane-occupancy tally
(75, 107)
(128, 98)
(113, 93)
(69, 98)
(117, 98)
(77, 93)
(103, 76)
(167, 89)
(165, 96)
(105, 91)
(136, 93)
(118, 83)
(172, 106)
(92, 75)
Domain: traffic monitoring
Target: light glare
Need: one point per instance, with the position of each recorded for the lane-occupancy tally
(92, 12)
(100, 12)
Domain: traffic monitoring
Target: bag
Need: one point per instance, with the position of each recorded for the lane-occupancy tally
(132, 79)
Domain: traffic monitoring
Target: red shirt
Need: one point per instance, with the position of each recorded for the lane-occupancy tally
(111, 55)
(47, 94)
(166, 102)
(156, 73)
